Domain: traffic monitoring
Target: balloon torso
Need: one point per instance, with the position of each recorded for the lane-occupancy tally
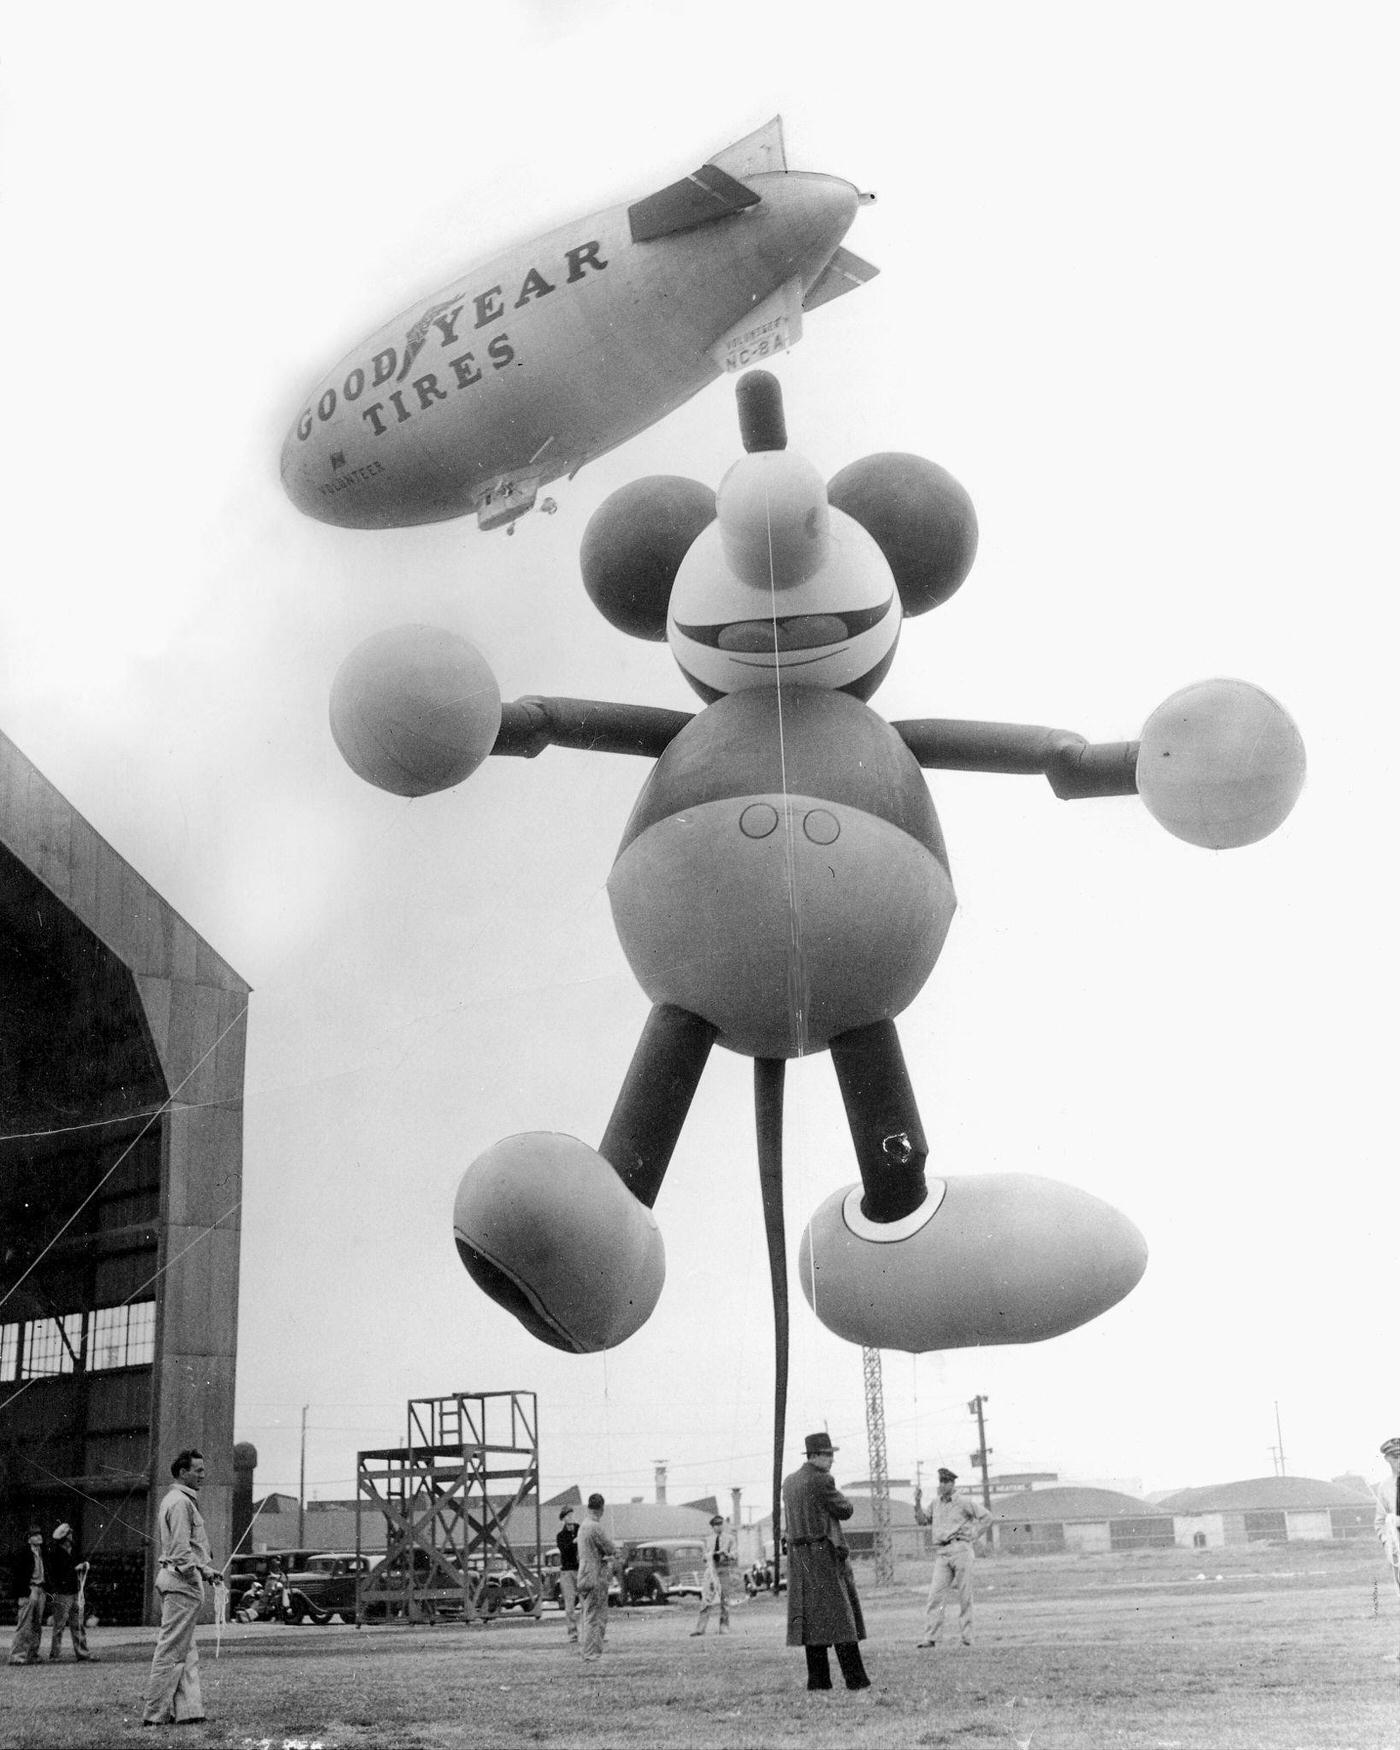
(783, 873)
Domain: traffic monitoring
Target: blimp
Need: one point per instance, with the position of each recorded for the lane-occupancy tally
(534, 363)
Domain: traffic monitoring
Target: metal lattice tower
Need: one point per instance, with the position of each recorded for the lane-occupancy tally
(879, 1467)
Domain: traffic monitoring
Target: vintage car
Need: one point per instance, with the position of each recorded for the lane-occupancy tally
(498, 1586)
(656, 1572)
(323, 1586)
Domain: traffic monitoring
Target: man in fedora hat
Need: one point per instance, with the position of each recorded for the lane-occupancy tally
(823, 1608)
(1387, 1493)
(956, 1523)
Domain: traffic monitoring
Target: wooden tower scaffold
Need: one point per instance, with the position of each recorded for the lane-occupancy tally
(460, 1501)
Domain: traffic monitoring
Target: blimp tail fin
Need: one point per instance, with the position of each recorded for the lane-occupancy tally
(707, 194)
(842, 274)
(760, 153)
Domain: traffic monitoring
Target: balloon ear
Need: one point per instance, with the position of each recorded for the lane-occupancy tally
(921, 518)
(633, 547)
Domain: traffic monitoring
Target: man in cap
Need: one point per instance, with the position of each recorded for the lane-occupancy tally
(596, 1554)
(956, 1523)
(823, 1607)
(28, 1579)
(713, 1591)
(1387, 1493)
(66, 1576)
(566, 1541)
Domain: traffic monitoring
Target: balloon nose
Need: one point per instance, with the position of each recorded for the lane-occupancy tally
(774, 519)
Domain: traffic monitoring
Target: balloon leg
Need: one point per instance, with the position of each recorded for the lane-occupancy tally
(768, 1114)
(660, 1084)
(884, 1120)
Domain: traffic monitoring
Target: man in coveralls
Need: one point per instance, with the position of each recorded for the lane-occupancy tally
(957, 1524)
(172, 1691)
(596, 1554)
(823, 1608)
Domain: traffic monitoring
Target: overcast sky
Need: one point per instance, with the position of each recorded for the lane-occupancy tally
(1138, 291)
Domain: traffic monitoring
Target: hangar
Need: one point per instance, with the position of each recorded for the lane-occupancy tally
(1270, 1510)
(122, 1040)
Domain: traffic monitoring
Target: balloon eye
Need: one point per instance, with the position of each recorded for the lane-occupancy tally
(795, 632)
(810, 631)
(746, 635)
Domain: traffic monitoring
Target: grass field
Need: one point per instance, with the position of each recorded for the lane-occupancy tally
(1259, 1648)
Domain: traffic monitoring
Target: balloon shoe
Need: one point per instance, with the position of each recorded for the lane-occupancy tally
(546, 1227)
(999, 1258)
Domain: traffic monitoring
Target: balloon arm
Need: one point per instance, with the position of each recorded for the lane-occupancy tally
(1075, 767)
(530, 725)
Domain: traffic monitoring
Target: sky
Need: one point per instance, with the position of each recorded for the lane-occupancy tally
(1137, 290)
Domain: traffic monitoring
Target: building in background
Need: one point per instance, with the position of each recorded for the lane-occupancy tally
(121, 1143)
(1270, 1510)
(1087, 1520)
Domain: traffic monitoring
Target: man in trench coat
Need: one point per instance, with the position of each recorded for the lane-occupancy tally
(823, 1608)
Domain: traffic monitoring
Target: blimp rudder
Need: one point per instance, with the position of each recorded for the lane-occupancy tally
(998, 1258)
(546, 1227)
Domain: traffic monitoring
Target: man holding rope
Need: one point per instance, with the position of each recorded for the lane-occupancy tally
(67, 1582)
(172, 1691)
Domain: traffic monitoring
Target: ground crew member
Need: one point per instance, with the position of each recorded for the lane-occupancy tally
(596, 1554)
(172, 1691)
(714, 1593)
(957, 1523)
(566, 1538)
(66, 1577)
(27, 1583)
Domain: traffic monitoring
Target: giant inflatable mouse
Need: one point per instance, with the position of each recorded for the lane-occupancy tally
(782, 887)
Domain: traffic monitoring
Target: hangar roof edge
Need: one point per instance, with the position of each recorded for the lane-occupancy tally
(62, 849)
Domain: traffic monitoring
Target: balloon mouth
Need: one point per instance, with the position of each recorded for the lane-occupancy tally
(510, 1292)
(887, 1232)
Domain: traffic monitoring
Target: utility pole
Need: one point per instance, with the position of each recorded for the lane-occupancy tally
(983, 1452)
(301, 1488)
(879, 1467)
(1278, 1429)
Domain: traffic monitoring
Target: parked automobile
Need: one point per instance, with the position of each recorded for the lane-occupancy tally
(656, 1572)
(324, 1586)
(499, 1586)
